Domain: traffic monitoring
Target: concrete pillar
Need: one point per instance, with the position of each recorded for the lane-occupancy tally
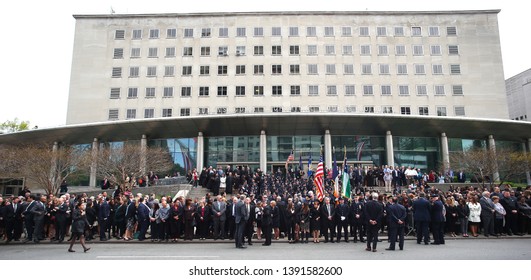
(492, 147)
(445, 152)
(263, 151)
(200, 152)
(53, 169)
(389, 149)
(328, 149)
(143, 154)
(93, 164)
(527, 173)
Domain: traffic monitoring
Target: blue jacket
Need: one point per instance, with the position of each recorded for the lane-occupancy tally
(421, 210)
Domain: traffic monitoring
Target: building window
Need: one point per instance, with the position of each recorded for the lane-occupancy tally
(187, 70)
(422, 90)
(348, 69)
(401, 69)
(240, 90)
(364, 31)
(276, 109)
(351, 109)
(118, 53)
(400, 50)
(167, 113)
(383, 50)
(405, 110)
(153, 52)
(113, 114)
(381, 31)
(276, 90)
(457, 89)
(258, 69)
(330, 49)
(296, 109)
(258, 91)
(451, 31)
(350, 90)
(330, 69)
(223, 51)
(347, 50)
(441, 111)
(240, 32)
(222, 69)
(203, 111)
(366, 69)
(222, 91)
(329, 31)
(188, 33)
(419, 69)
(365, 50)
(295, 90)
(204, 70)
(258, 50)
(294, 31)
(135, 52)
(331, 90)
(152, 71)
(312, 49)
(187, 51)
(240, 69)
(453, 49)
(437, 69)
(186, 112)
(149, 113)
(276, 69)
(205, 51)
(240, 50)
(137, 34)
(369, 109)
(258, 109)
(153, 34)
(418, 50)
(403, 90)
(170, 52)
(294, 69)
(368, 90)
(313, 90)
(223, 32)
(311, 31)
(276, 50)
(433, 31)
(239, 110)
(346, 31)
(115, 93)
(150, 92)
(186, 91)
(387, 109)
(439, 89)
(168, 92)
(171, 33)
(205, 32)
(423, 111)
(169, 71)
(258, 31)
(399, 31)
(119, 34)
(313, 109)
(312, 69)
(134, 71)
(204, 91)
(130, 114)
(459, 111)
(455, 69)
(386, 89)
(384, 69)
(117, 72)
(435, 50)
(294, 50)
(416, 31)
(276, 31)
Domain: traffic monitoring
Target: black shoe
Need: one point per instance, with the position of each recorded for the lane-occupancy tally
(389, 249)
(250, 244)
(266, 244)
(103, 239)
(86, 249)
(242, 247)
(435, 243)
(71, 251)
(346, 241)
(401, 249)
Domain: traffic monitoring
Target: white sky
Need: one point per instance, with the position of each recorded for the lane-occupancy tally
(38, 36)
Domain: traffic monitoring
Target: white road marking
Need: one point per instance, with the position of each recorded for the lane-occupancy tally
(157, 257)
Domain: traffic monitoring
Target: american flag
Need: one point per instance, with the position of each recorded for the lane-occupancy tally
(291, 157)
(318, 180)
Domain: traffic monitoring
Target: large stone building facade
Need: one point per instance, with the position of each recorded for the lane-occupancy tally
(519, 96)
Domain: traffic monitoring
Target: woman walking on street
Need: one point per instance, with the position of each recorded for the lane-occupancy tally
(79, 222)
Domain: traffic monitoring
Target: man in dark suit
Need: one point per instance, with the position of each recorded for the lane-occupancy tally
(422, 218)
(231, 211)
(60, 219)
(373, 215)
(249, 225)
(437, 220)
(356, 219)
(487, 214)
(397, 220)
(342, 214)
(13, 220)
(240, 218)
(219, 207)
(328, 213)
(103, 217)
(28, 217)
(461, 177)
(143, 218)
(38, 212)
(266, 223)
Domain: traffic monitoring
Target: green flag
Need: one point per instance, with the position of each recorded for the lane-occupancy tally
(346, 178)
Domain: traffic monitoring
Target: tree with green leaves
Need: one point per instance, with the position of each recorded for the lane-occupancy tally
(14, 126)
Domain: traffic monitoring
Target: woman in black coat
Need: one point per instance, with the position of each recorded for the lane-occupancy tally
(119, 217)
(91, 218)
(315, 220)
(79, 223)
(176, 220)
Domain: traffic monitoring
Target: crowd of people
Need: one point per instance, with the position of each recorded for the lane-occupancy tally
(246, 206)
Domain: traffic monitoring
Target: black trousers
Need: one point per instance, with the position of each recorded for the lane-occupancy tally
(437, 229)
(60, 228)
(38, 233)
(30, 227)
(357, 228)
(342, 225)
(238, 236)
(372, 235)
(219, 228)
(266, 229)
(396, 232)
(422, 229)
